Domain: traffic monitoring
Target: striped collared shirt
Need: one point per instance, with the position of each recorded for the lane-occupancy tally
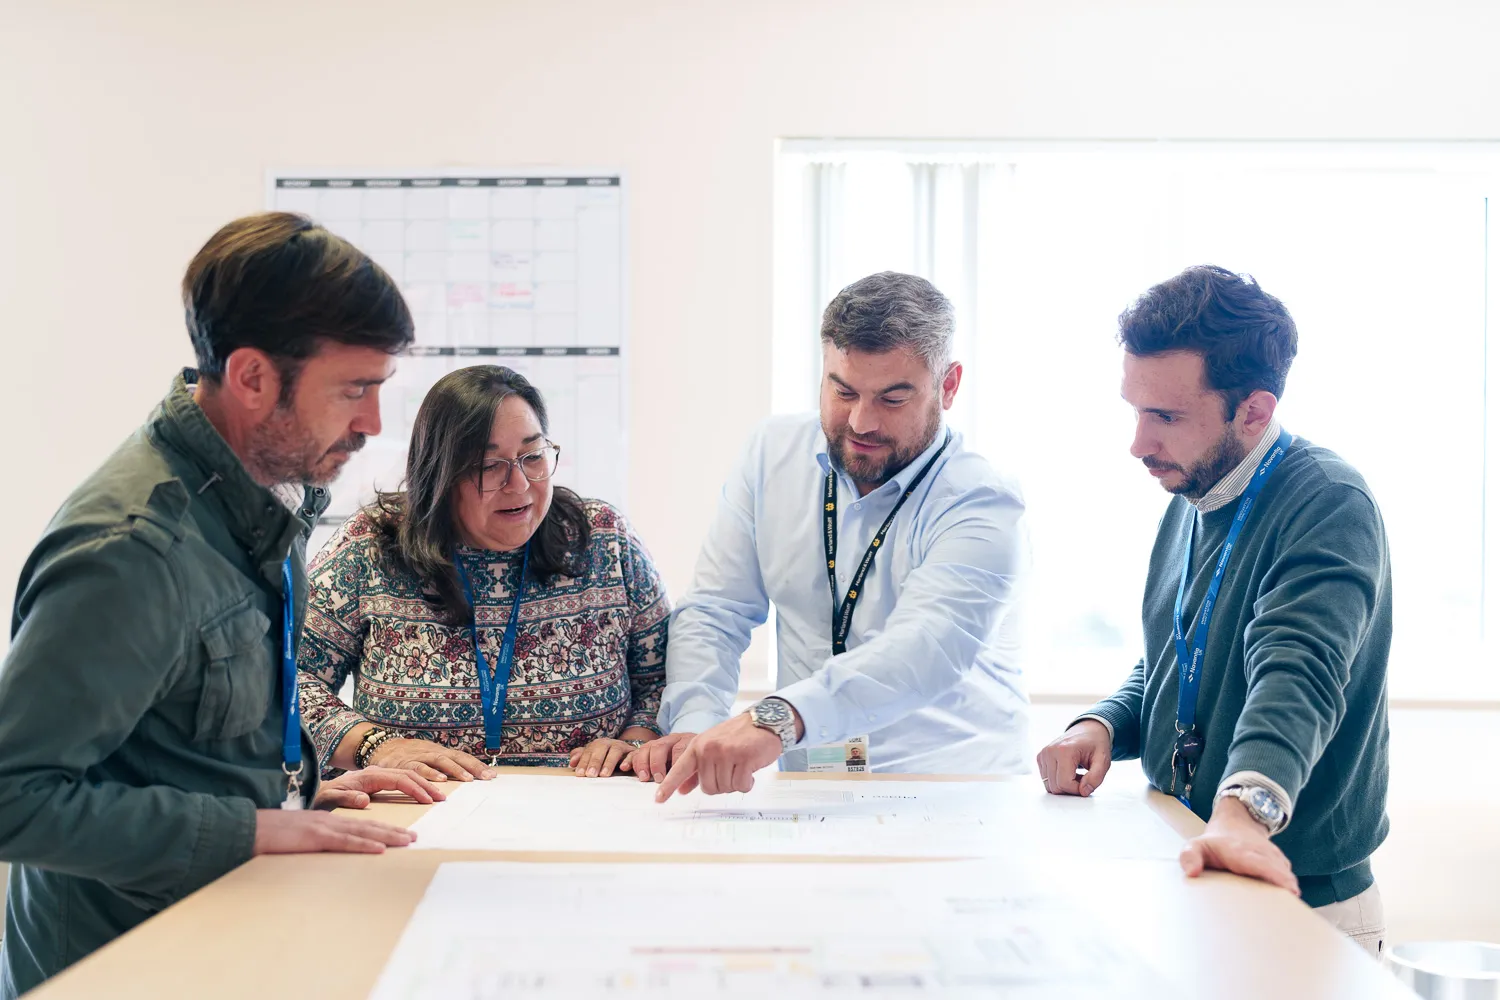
(1228, 489)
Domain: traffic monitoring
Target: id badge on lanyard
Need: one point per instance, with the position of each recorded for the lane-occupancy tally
(1187, 749)
(852, 755)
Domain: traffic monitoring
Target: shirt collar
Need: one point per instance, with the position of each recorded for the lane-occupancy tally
(1228, 489)
(899, 482)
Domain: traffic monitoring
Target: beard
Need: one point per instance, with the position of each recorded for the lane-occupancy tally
(282, 451)
(875, 471)
(1222, 459)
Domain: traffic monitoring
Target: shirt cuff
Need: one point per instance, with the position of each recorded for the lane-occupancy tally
(1254, 779)
(696, 722)
(817, 709)
(1108, 726)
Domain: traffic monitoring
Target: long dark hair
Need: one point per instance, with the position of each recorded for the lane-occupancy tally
(417, 526)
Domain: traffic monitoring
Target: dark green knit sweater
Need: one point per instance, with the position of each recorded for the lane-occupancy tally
(1294, 676)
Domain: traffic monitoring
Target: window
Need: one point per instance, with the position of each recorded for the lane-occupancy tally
(1379, 251)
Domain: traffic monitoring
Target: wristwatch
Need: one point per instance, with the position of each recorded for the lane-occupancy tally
(1260, 804)
(777, 715)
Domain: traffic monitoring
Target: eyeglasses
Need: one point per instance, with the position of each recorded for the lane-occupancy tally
(537, 466)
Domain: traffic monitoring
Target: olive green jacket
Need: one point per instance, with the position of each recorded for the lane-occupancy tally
(140, 701)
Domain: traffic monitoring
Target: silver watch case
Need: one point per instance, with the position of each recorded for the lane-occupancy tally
(776, 715)
(1261, 805)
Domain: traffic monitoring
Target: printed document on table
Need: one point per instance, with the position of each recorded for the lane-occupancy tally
(915, 819)
(972, 929)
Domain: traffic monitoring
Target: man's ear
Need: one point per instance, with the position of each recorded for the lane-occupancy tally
(951, 379)
(1256, 413)
(252, 380)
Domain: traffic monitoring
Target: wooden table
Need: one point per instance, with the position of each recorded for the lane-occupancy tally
(322, 925)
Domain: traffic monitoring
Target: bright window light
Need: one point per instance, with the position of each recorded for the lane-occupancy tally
(1380, 252)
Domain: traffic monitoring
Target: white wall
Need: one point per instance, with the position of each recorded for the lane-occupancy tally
(129, 132)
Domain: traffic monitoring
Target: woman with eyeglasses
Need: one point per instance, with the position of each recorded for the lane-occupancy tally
(488, 615)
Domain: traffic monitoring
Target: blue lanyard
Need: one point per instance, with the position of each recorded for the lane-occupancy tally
(493, 691)
(291, 715)
(1190, 663)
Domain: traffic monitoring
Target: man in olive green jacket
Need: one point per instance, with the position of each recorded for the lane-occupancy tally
(141, 701)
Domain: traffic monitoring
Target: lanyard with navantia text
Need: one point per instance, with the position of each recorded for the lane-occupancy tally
(843, 608)
(1187, 750)
(494, 690)
(291, 708)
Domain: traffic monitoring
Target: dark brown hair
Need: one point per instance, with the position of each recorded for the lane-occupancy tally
(281, 283)
(417, 527)
(1245, 336)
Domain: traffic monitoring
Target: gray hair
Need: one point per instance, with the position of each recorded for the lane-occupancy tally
(889, 311)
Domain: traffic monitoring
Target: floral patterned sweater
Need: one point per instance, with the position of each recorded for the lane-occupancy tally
(590, 650)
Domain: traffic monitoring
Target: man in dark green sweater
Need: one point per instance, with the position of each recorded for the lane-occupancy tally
(1261, 699)
(148, 735)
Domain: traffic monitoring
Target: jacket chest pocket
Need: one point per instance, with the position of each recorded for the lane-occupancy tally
(237, 683)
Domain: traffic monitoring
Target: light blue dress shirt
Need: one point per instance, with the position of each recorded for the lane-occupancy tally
(931, 673)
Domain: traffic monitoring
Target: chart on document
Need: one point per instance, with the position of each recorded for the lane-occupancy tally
(524, 269)
(491, 930)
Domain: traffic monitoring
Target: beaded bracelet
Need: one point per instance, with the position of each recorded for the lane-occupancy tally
(369, 745)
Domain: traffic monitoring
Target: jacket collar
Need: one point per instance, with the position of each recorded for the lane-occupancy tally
(255, 516)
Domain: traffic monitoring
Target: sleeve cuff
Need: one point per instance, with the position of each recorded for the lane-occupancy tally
(1109, 727)
(643, 720)
(1278, 769)
(1254, 779)
(818, 711)
(329, 733)
(226, 840)
(1120, 723)
(695, 722)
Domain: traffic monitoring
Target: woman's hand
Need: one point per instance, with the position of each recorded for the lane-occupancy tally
(600, 758)
(429, 760)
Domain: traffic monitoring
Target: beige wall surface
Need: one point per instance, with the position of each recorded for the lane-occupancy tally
(130, 131)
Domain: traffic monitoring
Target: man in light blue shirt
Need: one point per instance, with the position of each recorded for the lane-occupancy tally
(926, 547)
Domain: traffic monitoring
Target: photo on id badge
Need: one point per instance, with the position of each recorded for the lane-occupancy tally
(851, 756)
